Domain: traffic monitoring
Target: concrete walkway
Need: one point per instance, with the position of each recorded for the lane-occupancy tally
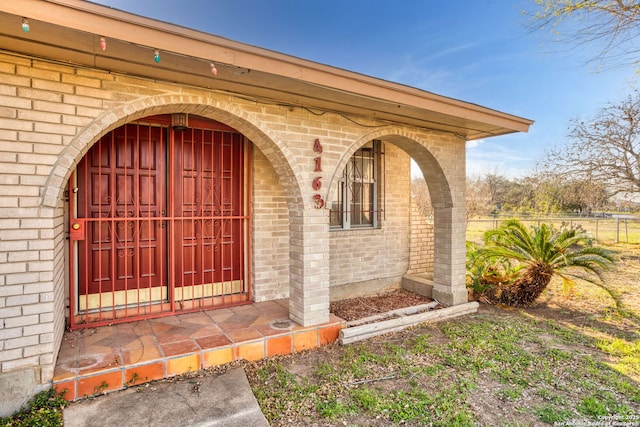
(225, 400)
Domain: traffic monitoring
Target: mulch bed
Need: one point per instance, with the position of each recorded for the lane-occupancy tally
(357, 308)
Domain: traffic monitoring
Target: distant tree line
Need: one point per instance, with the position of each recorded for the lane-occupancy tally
(540, 194)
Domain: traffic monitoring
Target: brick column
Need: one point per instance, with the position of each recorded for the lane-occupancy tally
(450, 253)
(309, 279)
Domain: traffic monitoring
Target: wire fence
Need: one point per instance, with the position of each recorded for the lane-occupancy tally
(604, 230)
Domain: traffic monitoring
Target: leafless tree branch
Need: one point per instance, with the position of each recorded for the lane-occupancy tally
(605, 149)
(612, 27)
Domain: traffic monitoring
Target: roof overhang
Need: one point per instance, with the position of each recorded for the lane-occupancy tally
(69, 31)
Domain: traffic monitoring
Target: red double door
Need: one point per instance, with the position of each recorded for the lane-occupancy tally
(160, 217)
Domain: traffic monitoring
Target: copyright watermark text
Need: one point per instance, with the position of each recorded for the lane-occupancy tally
(602, 421)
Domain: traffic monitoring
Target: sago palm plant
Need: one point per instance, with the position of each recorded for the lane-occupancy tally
(485, 275)
(543, 252)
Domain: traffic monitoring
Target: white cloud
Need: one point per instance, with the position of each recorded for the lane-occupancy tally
(474, 143)
(490, 157)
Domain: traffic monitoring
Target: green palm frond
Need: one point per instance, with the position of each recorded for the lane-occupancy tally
(543, 250)
(556, 248)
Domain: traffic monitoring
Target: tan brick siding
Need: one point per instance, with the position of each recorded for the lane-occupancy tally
(421, 246)
(270, 233)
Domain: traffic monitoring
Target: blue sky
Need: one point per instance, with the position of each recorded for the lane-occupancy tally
(479, 51)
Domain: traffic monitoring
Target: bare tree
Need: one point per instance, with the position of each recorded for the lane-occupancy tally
(605, 150)
(611, 26)
(420, 193)
(496, 187)
(477, 197)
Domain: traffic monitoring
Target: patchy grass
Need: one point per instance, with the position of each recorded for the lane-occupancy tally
(563, 361)
(491, 368)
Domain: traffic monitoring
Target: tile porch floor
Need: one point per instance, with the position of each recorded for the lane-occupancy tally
(110, 358)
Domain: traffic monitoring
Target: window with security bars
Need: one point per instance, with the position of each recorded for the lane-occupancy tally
(355, 204)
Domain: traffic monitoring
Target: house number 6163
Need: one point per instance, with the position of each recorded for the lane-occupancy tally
(317, 184)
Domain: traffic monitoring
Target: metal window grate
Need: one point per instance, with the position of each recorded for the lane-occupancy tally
(355, 204)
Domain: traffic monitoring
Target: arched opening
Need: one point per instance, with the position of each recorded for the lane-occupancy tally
(398, 220)
(272, 153)
(159, 214)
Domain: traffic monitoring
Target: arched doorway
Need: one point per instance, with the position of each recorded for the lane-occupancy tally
(159, 221)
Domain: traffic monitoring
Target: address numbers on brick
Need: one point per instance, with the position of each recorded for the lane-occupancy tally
(317, 183)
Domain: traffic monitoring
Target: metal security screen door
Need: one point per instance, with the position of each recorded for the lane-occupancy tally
(159, 222)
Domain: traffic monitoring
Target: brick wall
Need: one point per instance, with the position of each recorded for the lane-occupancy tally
(421, 246)
(270, 233)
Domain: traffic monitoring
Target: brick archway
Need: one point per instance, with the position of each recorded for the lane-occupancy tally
(446, 183)
(53, 196)
(228, 114)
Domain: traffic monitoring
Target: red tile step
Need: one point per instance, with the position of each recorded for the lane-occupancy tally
(100, 360)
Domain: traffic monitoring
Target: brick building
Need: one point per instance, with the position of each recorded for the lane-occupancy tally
(148, 169)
